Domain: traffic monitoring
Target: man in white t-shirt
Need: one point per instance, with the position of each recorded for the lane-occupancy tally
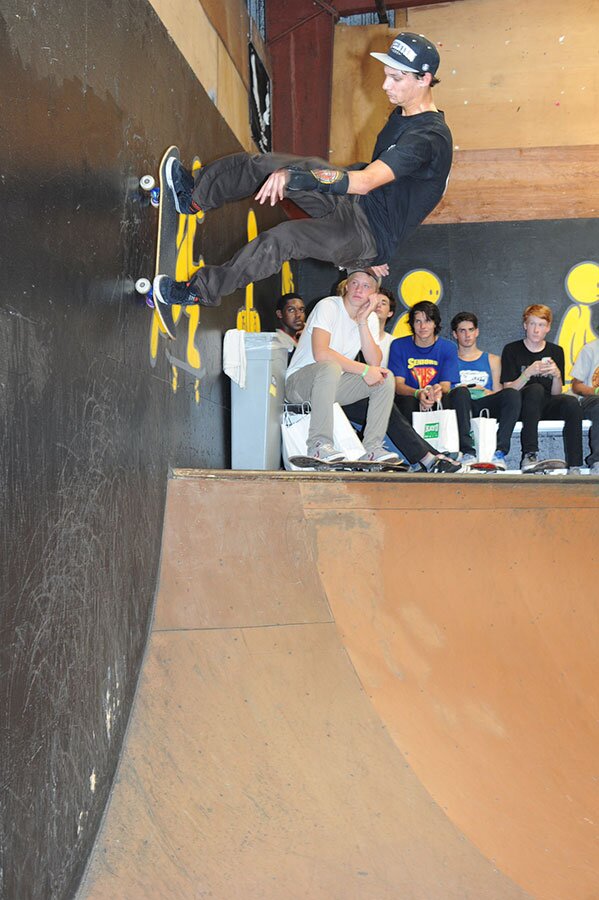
(324, 368)
(585, 383)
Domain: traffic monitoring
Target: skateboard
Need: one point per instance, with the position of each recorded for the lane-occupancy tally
(546, 467)
(487, 467)
(346, 465)
(166, 245)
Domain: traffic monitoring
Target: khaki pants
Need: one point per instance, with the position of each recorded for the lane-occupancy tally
(324, 383)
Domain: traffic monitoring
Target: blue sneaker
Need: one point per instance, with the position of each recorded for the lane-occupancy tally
(170, 292)
(499, 460)
(181, 184)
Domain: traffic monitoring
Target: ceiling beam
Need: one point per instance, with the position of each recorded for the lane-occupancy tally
(358, 7)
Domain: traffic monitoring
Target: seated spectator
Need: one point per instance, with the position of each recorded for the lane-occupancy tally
(480, 372)
(291, 311)
(425, 368)
(585, 383)
(324, 368)
(415, 449)
(535, 367)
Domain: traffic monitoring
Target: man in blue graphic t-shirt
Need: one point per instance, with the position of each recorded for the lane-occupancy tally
(426, 368)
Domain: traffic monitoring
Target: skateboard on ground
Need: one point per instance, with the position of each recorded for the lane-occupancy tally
(546, 467)
(346, 465)
(486, 467)
(166, 244)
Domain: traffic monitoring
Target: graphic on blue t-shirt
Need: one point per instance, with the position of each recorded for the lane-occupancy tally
(420, 366)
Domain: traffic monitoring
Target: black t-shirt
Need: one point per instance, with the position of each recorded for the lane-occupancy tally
(516, 357)
(419, 150)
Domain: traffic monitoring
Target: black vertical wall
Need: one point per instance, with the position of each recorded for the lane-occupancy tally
(91, 94)
(494, 269)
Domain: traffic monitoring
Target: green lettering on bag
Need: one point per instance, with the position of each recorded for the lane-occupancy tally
(431, 430)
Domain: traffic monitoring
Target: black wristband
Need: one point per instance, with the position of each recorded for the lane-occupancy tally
(326, 181)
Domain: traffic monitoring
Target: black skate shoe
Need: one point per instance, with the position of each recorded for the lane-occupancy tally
(169, 292)
(181, 184)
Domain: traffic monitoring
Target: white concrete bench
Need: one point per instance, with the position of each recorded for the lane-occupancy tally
(553, 426)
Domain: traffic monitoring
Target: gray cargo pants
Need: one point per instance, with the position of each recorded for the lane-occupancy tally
(324, 383)
(337, 232)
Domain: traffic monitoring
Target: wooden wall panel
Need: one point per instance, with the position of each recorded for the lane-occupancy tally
(516, 74)
(185, 20)
(516, 185)
(359, 107)
(232, 97)
(231, 22)
(512, 75)
(213, 38)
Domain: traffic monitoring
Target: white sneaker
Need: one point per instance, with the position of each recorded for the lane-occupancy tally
(325, 452)
(467, 458)
(594, 469)
(379, 454)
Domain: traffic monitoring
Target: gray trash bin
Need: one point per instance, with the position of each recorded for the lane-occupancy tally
(256, 410)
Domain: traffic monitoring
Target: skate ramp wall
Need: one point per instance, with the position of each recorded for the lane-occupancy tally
(94, 405)
(364, 688)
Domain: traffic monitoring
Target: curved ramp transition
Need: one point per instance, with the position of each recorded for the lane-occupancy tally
(361, 688)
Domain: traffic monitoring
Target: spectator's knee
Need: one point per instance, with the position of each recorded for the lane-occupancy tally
(532, 395)
(459, 398)
(572, 409)
(512, 398)
(326, 371)
(387, 385)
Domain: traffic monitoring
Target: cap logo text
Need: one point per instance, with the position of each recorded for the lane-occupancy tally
(404, 49)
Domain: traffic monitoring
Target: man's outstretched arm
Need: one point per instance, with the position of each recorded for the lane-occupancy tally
(332, 180)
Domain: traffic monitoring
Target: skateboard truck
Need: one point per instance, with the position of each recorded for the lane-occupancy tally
(143, 286)
(148, 184)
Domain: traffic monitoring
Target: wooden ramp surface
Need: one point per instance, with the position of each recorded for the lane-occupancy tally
(361, 688)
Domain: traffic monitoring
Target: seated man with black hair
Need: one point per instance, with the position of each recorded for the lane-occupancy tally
(425, 368)
(291, 312)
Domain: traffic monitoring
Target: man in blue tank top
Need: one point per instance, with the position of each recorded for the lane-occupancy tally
(480, 372)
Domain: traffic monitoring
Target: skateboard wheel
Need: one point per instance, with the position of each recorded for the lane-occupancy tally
(143, 285)
(147, 182)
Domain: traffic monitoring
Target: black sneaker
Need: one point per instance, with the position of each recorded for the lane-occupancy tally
(181, 184)
(445, 466)
(528, 461)
(168, 292)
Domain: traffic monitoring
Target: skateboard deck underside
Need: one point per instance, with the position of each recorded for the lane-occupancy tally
(308, 462)
(546, 465)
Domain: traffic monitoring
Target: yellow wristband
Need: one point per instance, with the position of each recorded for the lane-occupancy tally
(363, 375)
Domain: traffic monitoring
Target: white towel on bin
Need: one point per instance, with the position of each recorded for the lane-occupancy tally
(234, 358)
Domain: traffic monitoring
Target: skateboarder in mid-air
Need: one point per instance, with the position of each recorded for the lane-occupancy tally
(358, 216)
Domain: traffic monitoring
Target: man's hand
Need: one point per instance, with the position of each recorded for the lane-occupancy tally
(375, 375)
(366, 307)
(273, 188)
(380, 271)
(430, 395)
(550, 368)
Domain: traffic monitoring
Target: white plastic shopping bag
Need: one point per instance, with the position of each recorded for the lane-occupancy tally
(439, 428)
(296, 424)
(484, 429)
